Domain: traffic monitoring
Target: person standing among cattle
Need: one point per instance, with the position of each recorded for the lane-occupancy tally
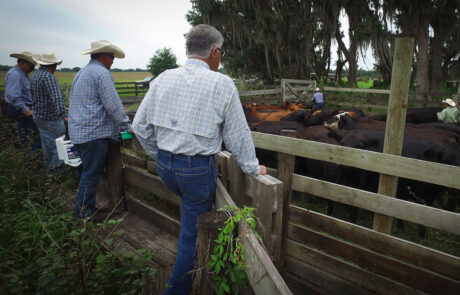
(49, 110)
(96, 115)
(450, 113)
(318, 99)
(19, 99)
(181, 123)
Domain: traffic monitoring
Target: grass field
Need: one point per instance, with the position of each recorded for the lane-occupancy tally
(67, 77)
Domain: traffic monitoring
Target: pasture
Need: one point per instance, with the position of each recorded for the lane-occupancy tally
(67, 77)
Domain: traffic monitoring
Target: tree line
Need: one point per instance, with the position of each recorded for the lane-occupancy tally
(291, 39)
(76, 69)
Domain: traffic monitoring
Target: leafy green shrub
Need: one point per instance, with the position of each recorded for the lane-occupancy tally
(46, 251)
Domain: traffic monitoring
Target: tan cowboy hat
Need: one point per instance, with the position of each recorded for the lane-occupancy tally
(102, 46)
(47, 59)
(27, 56)
(316, 89)
(449, 102)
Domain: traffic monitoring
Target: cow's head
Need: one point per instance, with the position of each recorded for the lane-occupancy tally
(334, 122)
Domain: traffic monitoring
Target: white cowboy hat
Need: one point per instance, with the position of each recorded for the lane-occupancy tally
(27, 56)
(102, 46)
(47, 59)
(316, 89)
(449, 102)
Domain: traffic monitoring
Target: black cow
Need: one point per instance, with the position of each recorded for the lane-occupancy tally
(415, 115)
(417, 147)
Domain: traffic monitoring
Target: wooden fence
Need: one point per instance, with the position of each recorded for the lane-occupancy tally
(328, 255)
(129, 170)
(314, 252)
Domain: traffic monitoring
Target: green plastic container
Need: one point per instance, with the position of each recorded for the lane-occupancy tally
(126, 135)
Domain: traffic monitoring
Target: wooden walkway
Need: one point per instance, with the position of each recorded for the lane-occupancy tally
(138, 233)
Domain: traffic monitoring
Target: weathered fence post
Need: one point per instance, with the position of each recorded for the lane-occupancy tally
(394, 131)
(236, 182)
(114, 173)
(283, 89)
(207, 225)
(286, 163)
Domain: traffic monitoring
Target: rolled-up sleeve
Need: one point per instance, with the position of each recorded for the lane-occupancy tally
(112, 101)
(144, 131)
(237, 137)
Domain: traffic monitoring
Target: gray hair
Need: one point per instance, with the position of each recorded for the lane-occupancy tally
(202, 39)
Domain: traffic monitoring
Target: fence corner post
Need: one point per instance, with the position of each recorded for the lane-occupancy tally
(207, 225)
(114, 172)
(286, 163)
(394, 131)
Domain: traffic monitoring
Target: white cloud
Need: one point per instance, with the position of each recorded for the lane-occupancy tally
(68, 27)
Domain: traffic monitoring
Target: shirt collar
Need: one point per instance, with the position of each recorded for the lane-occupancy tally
(195, 62)
(95, 61)
(18, 69)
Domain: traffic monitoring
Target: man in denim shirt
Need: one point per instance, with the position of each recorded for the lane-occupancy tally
(19, 99)
(96, 115)
(49, 110)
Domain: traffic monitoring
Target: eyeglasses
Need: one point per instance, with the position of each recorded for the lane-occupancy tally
(222, 53)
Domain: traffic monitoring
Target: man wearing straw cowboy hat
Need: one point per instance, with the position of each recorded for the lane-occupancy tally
(96, 115)
(49, 110)
(450, 113)
(19, 99)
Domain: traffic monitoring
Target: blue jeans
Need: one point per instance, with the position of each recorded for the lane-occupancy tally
(193, 178)
(319, 105)
(49, 131)
(28, 131)
(93, 155)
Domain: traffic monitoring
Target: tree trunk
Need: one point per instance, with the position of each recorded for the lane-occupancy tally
(436, 54)
(422, 60)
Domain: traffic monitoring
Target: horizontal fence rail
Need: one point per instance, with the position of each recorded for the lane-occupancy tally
(445, 175)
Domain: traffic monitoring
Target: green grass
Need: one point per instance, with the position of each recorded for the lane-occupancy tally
(43, 248)
(67, 77)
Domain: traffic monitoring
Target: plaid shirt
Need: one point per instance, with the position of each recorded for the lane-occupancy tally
(189, 111)
(48, 102)
(95, 108)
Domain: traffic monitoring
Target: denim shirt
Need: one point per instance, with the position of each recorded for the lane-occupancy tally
(17, 89)
(95, 108)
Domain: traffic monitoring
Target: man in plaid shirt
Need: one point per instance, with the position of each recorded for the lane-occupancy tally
(48, 110)
(96, 115)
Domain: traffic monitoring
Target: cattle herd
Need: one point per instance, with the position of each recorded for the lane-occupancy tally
(424, 139)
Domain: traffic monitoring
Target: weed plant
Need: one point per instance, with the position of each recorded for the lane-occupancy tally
(46, 251)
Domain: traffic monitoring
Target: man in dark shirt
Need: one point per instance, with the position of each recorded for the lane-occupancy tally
(49, 110)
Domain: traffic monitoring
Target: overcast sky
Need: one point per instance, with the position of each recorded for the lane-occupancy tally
(139, 27)
(67, 27)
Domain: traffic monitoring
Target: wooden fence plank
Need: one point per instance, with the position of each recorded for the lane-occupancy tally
(387, 266)
(114, 175)
(420, 214)
(436, 173)
(339, 89)
(345, 270)
(318, 280)
(151, 183)
(262, 274)
(434, 260)
(152, 215)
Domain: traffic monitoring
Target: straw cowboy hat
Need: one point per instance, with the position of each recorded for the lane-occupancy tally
(449, 102)
(316, 89)
(102, 46)
(47, 59)
(27, 56)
